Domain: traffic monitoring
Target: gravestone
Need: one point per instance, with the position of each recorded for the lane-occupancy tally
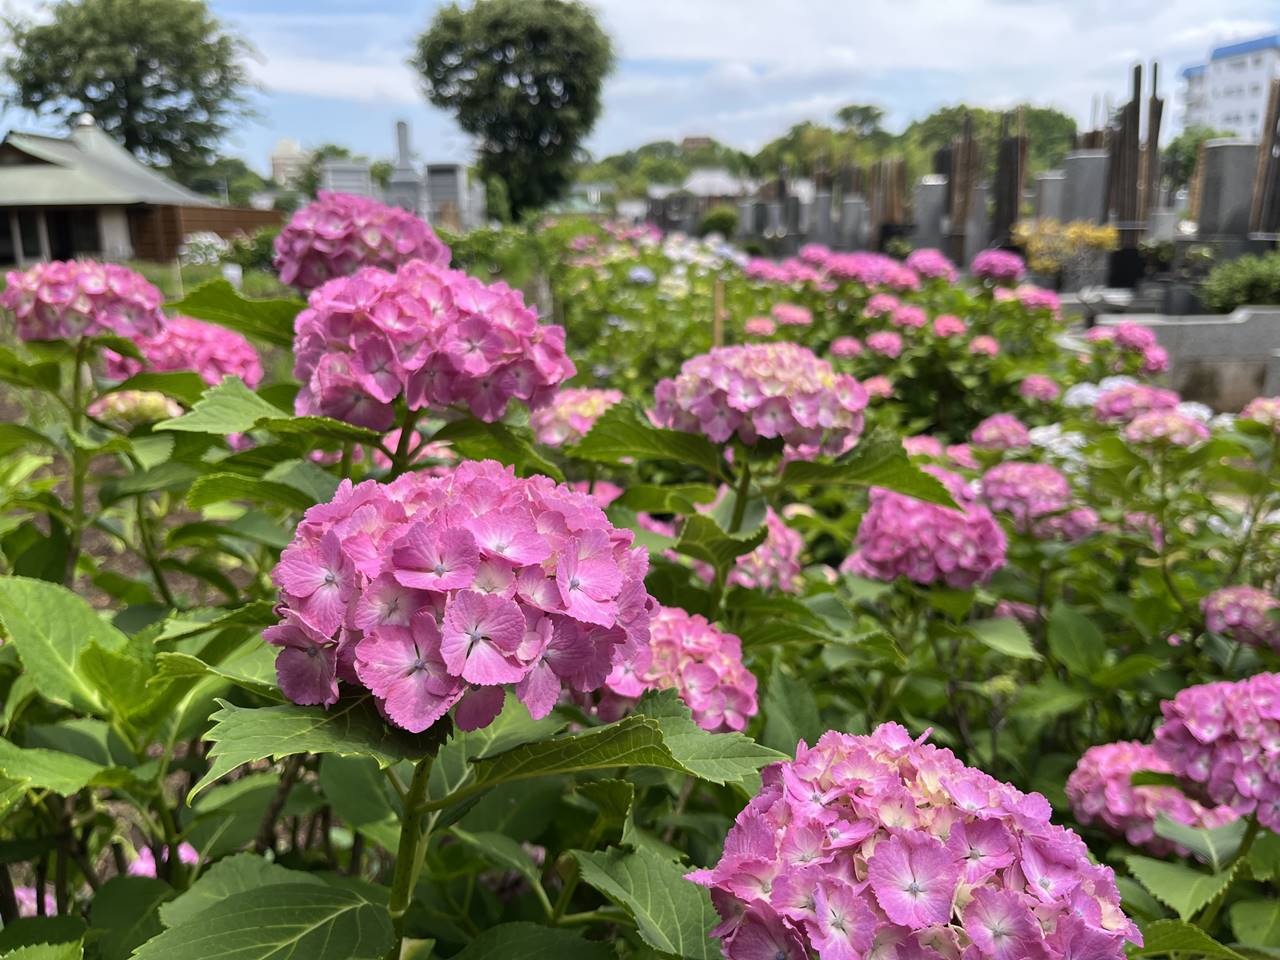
(1085, 192)
(404, 188)
(746, 219)
(853, 223)
(820, 225)
(977, 225)
(346, 176)
(1050, 195)
(929, 200)
(1162, 225)
(1227, 192)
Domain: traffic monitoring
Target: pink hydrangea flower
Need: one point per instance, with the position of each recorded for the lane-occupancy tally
(922, 446)
(1132, 339)
(1222, 740)
(126, 409)
(846, 347)
(1024, 613)
(1029, 493)
(998, 266)
(337, 234)
(879, 387)
(1101, 792)
(1166, 426)
(948, 325)
(792, 315)
(962, 456)
(206, 349)
(1039, 387)
(144, 864)
(441, 592)
(775, 564)
(69, 299)
(886, 343)
(1263, 410)
(1121, 404)
(29, 902)
(1037, 298)
(771, 391)
(932, 264)
(984, 346)
(885, 846)
(872, 270)
(927, 543)
(571, 414)
(433, 336)
(1244, 614)
(1001, 431)
(909, 316)
(881, 305)
(760, 327)
(692, 656)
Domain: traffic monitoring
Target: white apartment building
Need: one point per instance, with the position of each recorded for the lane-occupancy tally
(1229, 92)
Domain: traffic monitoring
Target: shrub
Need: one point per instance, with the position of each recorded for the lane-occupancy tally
(1246, 281)
(722, 220)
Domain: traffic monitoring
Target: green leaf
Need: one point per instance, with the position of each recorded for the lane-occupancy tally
(501, 851)
(1122, 674)
(1216, 847)
(677, 498)
(1153, 778)
(613, 798)
(672, 915)
(1165, 937)
(27, 931)
(531, 941)
(50, 626)
(324, 427)
(1182, 889)
(229, 407)
(1048, 699)
(623, 434)
(1005, 635)
(182, 385)
(790, 712)
(258, 613)
(63, 773)
(220, 487)
(702, 539)
(218, 302)
(357, 791)
(293, 921)
(46, 951)
(1257, 922)
(310, 478)
(1264, 856)
(476, 440)
(717, 757)
(14, 436)
(874, 462)
(253, 669)
(244, 872)
(1075, 641)
(39, 376)
(243, 735)
(124, 914)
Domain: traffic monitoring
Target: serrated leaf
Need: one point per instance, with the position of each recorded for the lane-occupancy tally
(46, 951)
(623, 433)
(297, 920)
(1165, 937)
(717, 757)
(220, 487)
(1216, 847)
(124, 914)
(1005, 635)
(613, 798)
(790, 712)
(677, 498)
(672, 915)
(1075, 641)
(14, 436)
(701, 538)
(40, 376)
(63, 773)
(1256, 922)
(476, 440)
(50, 627)
(164, 476)
(530, 941)
(304, 475)
(237, 874)
(351, 727)
(874, 462)
(324, 427)
(1264, 856)
(1182, 889)
(253, 668)
(218, 302)
(229, 407)
(65, 931)
(182, 385)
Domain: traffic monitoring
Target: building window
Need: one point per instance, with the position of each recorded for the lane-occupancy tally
(8, 250)
(29, 234)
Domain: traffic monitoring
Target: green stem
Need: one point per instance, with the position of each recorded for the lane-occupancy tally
(400, 462)
(744, 490)
(149, 552)
(412, 851)
(1211, 911)
(79, 465)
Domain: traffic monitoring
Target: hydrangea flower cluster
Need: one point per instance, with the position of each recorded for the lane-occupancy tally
(1263, 410)
(1001, 431)
(846, 347)
(909, 316)
(760, 327)
(692, 656)
(878, 387)
(1166, 426)
(871, 270)
(792, 315)
(1101, 792)
(1223, 741)
(432, 592)
(775, 564)
(69, 299)
(769, 390)
(571, 414)
(1132, 340)
(183, 343)
(881, 305)
(927, 543)
(998, 266)
(886, 846)
(126, 409)
(1037, 298)
(984, 346)
(1028, 492)
(932, 264)
(1123, 403)
(948, 325)
(1039, 387)
(337, 234)
(886, 343)
(433, 335)
(1244, 614)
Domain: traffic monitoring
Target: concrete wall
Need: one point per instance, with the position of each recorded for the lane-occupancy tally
(1224, 361)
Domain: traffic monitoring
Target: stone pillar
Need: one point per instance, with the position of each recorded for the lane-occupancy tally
(929, 200)
(853, 223)
(820, 222)
(977, 226)
(1226, 191)
(1050, 194)
(1085, 193)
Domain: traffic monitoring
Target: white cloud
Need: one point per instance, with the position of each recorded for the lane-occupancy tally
(360, 82)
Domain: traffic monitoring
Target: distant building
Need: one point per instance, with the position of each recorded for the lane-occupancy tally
(288, 161)
(454, 200)
(683, 207)
(690, 144)
(347, 176)
(1230, 91)
(84, 195)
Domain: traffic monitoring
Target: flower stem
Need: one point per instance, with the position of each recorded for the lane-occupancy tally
(412, 851)
(79, 466)
(740, 500)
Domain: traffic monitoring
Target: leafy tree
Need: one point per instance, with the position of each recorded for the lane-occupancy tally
(380, 172)
(226, 178)
(308, 183)
(864, 119)
(164, 77)
(1179, 155)
(524, 77)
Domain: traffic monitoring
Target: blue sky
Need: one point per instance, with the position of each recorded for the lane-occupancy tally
(739, 70)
